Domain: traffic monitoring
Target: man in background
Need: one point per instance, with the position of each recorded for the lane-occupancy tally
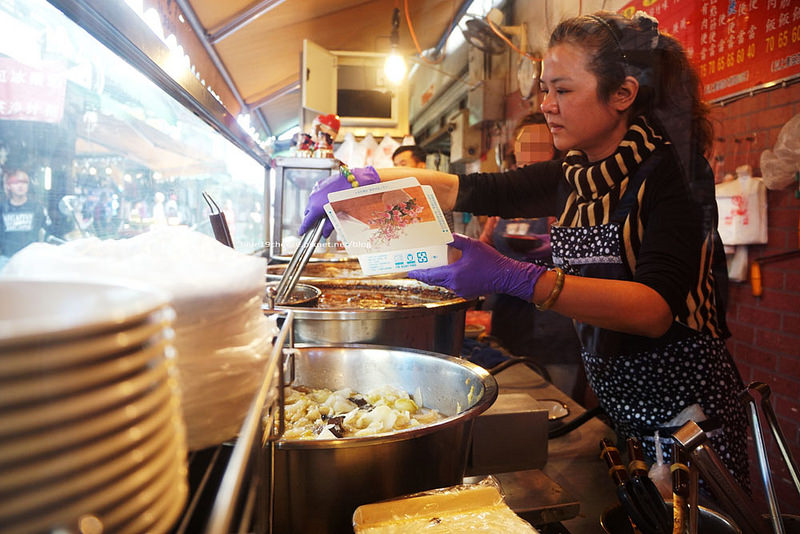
(409, 156)
(22, 217)
(414, 157)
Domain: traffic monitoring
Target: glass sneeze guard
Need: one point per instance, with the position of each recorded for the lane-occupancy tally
(108, 153)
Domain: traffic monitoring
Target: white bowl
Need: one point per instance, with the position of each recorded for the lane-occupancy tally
(171, 515)
(53, 412)
(52, 439)
(47, 386)
(39, 311)
(160, 503)
(118, 483)
(86, 457)
(49, 357)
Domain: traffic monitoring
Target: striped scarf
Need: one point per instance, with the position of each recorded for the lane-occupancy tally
(595, 191)
(597, 188)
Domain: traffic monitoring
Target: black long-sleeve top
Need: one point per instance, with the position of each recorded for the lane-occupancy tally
(673, 256)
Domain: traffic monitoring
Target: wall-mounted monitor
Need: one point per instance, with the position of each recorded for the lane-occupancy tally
(352, 85)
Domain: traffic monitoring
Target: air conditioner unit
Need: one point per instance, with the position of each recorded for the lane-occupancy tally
(485, 98)
(465, 140)
(486, 101)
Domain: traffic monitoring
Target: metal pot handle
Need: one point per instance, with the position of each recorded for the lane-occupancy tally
(286, 367)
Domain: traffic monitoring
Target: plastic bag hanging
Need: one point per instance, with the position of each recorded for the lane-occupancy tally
(779, 165)
(742, 209)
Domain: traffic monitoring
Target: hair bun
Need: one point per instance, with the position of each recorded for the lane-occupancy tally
(645, 21)
(649, 24)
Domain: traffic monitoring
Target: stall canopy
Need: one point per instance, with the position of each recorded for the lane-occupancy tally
(255, 45)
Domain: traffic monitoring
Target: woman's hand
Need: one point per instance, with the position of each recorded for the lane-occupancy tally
(330, 184)
(619, 305)
(482, 270)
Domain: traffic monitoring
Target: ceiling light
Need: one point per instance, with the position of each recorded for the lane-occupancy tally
(395, 66)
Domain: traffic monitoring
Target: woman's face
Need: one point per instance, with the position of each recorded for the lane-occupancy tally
(577, 118)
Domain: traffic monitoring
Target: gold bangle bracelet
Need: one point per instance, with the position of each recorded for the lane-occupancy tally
(559, 285)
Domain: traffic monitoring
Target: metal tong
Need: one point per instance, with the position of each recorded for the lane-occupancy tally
(637, 494)
(732, 498)
(645, 491)
(761, 449)
(684, 493)
(300, 257)
(218, 222)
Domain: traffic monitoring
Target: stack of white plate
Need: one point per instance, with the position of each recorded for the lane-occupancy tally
(222, 338)
(91, 433)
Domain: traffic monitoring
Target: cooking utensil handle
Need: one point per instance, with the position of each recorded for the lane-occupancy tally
(635, 513)
(679, 508)
(645, 489)
(694, 513)
(735, 501)
(219, 224)
(625, 492)
(680, 491)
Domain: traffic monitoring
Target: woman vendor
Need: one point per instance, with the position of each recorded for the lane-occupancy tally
(638, 263)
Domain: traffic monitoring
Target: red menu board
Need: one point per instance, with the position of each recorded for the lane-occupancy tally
(735, 45)
(30, 93)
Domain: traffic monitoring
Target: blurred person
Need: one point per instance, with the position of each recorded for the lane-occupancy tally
(171, 209)
(159, 211)
(3, 155)
(409, 156)
(545, 336)
(103, 217)
(23, 218)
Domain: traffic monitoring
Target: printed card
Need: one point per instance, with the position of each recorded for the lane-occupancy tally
(391, 226)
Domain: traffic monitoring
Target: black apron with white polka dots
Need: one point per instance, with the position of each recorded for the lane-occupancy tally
(643, 383)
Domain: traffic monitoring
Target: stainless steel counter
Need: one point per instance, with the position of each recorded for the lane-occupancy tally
(573, 463)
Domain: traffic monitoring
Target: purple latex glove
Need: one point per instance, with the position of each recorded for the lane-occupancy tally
(319, 196)
(482, 270)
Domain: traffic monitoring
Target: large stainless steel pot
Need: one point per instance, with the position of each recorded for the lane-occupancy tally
(436, 324)
(320, 483)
